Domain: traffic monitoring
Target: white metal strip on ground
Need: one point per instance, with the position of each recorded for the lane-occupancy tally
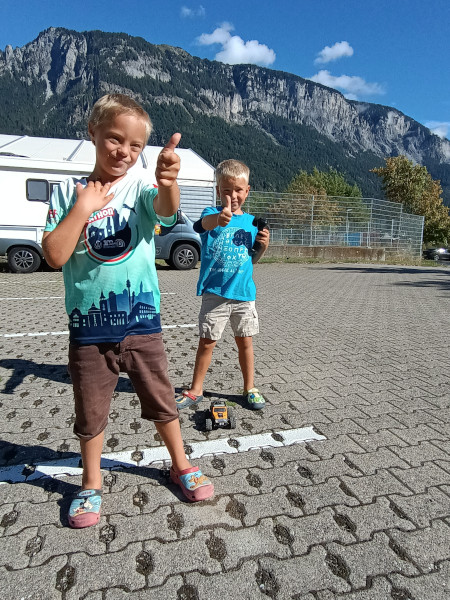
(41, 333)
(151, 456)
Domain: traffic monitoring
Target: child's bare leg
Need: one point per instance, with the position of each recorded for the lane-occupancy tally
(171, 435)
(91, 453)
(246, 361)
(202, 362)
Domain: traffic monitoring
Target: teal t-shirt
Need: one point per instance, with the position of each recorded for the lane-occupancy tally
(110, 280)
(226, 267)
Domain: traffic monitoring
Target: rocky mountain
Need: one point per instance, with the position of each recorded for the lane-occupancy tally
(277, 122)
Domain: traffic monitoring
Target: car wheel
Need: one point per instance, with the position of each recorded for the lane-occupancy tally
(436, 257)
(23, 260)
(184, 257)
(208, 425)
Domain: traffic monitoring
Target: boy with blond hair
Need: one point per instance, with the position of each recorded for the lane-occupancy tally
(100, 231)
(226, 280)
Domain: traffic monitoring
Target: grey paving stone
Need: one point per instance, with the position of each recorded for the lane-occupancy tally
(420, 433)
(378, 589)
(245, 583)
(56, 540)
(301, 575)
(127, 529)
(383, 458)
(180, 557)
(231, 547)
(423, 508)
(337, 445)
(433, 585)
(364, 560)
(364, 521)
(15, 551)
(38, 583)
(319, 496)
(320, 471)
(379, 439)
(171, 589)
(31, 515)
(426, 547)
(93, 573)
(306, 530)
(419, 479)
(382, 483)
(423, 452)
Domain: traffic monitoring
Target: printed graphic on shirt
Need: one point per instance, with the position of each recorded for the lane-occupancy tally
(231, 247)
(109, 237)
(51, 215)
(116, 315)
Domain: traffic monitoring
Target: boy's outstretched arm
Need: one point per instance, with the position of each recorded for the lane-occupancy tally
(167, 201)
(263, 237)
(58, 245)
(220, 219)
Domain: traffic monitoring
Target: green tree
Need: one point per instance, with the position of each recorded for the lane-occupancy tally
(331, 196)
(323, 183)
(413, 186)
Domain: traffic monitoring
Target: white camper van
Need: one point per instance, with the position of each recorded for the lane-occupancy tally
(30, 167)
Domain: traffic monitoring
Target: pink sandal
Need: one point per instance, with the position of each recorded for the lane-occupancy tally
(84, 509)
(194, 485)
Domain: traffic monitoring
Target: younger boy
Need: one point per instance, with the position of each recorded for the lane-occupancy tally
(226, 280)
(100, 230)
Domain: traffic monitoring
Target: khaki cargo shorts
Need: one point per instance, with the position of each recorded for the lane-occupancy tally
(217, 311)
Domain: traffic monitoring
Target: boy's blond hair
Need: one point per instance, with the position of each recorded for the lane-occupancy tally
(110, 106)
(233, 169)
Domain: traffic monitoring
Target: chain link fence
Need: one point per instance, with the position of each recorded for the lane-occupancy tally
(308, 220)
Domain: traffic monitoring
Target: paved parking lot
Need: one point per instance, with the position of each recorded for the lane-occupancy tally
(340, 488)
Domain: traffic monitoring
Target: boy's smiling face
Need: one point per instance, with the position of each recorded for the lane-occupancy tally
(118, 144)
(237, 189)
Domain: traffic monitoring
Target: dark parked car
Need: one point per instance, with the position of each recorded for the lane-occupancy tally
(437, 254)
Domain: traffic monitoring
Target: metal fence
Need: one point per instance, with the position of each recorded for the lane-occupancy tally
(307, 220)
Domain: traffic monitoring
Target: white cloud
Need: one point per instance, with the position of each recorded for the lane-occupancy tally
(192, 12)
(352, 86)
(330, 53)
(235, 50)
(219, 36)
(440, 128)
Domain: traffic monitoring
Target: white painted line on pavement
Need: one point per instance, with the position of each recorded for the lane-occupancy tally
(150, 456)
(36, 298)
(41, 333)
(62, 297)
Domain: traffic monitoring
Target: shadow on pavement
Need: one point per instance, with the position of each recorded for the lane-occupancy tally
(23, 368)
(442, 280)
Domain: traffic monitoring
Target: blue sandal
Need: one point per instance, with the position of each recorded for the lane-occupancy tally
(187, 399)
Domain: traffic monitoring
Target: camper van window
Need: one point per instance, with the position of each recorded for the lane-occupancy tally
(38, 190)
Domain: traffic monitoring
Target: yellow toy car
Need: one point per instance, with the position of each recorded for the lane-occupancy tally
(219, 415)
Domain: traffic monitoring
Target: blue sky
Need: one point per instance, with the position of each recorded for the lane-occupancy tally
(392, 52)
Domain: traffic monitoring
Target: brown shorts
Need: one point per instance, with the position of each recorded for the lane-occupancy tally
(95, 369)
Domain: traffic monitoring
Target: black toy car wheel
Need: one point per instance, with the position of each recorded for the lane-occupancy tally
(184, 257)
(208, 424)
(23, 260)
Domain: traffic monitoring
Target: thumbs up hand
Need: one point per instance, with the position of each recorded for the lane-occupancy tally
(168, 163)
(224, 217)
